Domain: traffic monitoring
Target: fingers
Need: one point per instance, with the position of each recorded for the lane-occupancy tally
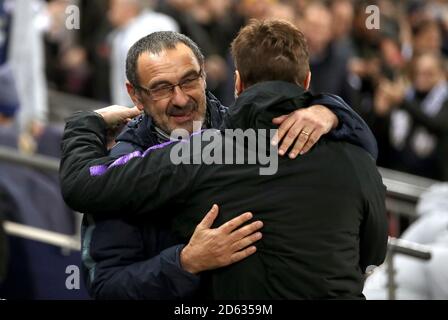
(303, 128)
(133, 112)
(292, 136)
(305, 137)
(231, 225)
(116, 115)
(280, 119)
(210, 217)
(246, 230)
(247, 241)
(283, 129)
(313, 138)
(240, 255)
(301, 141)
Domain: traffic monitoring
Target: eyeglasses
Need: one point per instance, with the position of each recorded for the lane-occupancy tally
(166, 91)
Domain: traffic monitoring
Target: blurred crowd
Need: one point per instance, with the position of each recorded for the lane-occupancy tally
(394, 76)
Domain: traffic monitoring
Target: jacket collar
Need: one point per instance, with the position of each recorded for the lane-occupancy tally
(258, 104)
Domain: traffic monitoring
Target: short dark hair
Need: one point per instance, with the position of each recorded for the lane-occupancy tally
(155, 43)
(271, 50)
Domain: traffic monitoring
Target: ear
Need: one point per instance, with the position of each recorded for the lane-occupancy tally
(307, 81)
(134, 97)
(239, 85)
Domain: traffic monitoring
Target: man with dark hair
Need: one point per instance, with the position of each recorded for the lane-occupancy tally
(156, 73)
(155, 43)
(259, 42)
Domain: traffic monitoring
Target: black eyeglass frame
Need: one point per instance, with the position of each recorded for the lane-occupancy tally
(150, 92)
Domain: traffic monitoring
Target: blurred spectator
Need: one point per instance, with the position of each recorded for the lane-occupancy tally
(26, 57)
(327, 60)
(78, 60)
(4, 31)
(343, 15)
(365, 66)
(9, 104)
(282, 11)
(416, 120)
(67, 66)
(17, 182)
(256, 9)
(97, 47)
(8, 94)
(427, 37)
(436, 11)
(183, 12)
(377, 55)
(42, 139)
(220, 27)
(416, 279)
(132, 19)
(9, 99)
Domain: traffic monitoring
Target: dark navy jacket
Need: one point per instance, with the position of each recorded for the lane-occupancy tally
(132, 259)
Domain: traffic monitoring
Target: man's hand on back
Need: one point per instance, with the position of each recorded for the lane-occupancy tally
(214, 248)
(301, 129)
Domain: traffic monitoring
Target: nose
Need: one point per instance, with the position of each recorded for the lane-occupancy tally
(179, 97)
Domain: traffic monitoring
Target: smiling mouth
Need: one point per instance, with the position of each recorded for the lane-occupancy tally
(180, 118)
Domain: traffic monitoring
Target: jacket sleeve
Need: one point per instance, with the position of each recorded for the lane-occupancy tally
(93, 182)
(374, 226)
(352, 127)
(117, 267)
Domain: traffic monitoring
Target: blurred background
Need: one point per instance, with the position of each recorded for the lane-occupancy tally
(394, 76)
